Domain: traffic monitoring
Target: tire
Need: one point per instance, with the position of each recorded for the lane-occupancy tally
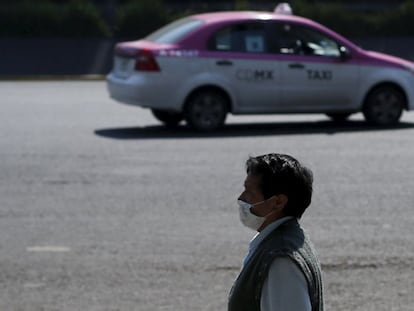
(169, 118)
(339, 116)
(206, 110)
(384, 106)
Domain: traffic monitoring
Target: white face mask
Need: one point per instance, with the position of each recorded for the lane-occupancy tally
(247, 218)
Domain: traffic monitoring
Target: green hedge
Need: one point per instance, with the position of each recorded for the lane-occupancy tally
(137, 18)
(399, 21)
(392, 22)
(47, 19)
(141, 17)
(83, 19)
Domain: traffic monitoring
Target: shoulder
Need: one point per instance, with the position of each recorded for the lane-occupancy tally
(286, 238)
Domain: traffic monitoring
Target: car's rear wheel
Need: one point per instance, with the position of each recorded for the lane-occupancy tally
(206, 110)
(384, 106)
(169, 118)
(339, 116)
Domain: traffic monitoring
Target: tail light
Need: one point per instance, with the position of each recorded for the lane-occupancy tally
(146, 61)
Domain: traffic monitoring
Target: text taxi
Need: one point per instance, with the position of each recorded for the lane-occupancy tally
(205, 66)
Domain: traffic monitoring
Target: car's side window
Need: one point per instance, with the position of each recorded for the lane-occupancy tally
(288, 38)
(246, 37)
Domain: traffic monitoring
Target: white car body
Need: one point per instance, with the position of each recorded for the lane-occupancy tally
(255, 82)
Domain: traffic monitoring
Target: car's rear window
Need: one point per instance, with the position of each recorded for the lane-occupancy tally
(173, 32)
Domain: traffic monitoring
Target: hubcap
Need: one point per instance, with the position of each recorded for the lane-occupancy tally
(208, 111)
(386, 107)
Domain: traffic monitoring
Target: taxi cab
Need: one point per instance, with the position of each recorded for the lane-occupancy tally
(205, 66)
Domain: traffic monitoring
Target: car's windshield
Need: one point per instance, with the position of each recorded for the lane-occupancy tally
(173, 32)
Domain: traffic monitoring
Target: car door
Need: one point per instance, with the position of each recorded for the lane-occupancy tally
(315, 74)
(240, 58)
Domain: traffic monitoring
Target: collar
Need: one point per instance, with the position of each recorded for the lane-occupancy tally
(260, 236)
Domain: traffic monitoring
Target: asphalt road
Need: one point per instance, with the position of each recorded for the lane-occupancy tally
(104, 209)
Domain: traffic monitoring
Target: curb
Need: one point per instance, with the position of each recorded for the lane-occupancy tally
(54, 78)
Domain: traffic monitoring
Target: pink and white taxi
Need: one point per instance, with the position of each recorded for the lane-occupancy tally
(202, 67)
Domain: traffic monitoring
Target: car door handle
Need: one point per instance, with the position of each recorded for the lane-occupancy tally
(296, 66)
(224, 62)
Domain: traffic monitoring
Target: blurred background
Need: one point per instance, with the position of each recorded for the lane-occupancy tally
(76, 37)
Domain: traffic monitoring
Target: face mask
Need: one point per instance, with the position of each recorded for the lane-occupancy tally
(247, 218)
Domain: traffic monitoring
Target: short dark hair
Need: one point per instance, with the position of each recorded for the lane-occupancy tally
(283, 174)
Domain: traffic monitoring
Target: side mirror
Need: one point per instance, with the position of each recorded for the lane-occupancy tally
(345, 53)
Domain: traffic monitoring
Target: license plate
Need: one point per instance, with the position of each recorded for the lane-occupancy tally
(123, 64)
(122, 67)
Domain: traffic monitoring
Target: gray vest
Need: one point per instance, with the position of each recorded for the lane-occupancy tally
(290, 240)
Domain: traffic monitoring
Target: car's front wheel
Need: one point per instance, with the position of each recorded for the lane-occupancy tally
(384, 106)
(206, 110)
(169, 118)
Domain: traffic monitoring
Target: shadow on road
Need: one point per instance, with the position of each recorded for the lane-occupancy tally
(247, 129)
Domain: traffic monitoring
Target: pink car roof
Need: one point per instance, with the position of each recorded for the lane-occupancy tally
(198, 39)
(232, 16)
(246, 15)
